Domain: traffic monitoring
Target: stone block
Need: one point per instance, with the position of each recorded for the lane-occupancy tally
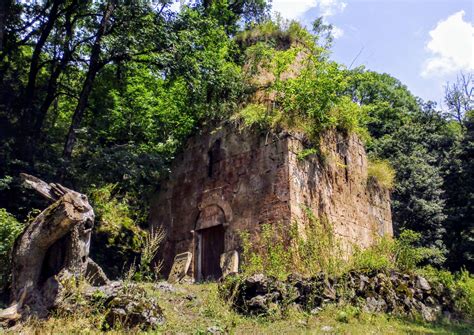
(229, 263)
(180, 267)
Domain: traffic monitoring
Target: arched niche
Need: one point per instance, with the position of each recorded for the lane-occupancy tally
(211, 216)
(209, 204)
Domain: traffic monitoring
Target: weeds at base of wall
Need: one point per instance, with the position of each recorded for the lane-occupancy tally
(280, 250)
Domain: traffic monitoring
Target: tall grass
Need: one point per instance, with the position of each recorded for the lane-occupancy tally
(382, 172)
(308, 249)
(281, 249)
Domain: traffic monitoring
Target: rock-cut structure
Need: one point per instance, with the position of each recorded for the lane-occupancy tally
(228, 181)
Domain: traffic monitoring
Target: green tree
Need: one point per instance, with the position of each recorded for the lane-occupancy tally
(459, 183)
(10, 228)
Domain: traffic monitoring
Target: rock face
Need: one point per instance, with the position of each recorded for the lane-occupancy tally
(395, 292)
(227, 181)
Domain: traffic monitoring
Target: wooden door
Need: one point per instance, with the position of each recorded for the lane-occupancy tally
(212, 246)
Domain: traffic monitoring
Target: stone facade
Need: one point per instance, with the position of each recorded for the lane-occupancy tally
(228, 181)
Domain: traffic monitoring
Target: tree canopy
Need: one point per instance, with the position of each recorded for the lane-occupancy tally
(101, 95)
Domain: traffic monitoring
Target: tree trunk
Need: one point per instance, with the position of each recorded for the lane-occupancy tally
(54, 247)
(4, 8)
(35, 58)
(94, 67)
(56, 72)
(28, 114)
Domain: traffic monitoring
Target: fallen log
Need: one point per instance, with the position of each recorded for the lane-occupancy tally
(53, 247)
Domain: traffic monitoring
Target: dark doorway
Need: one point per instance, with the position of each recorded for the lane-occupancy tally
(211, 248)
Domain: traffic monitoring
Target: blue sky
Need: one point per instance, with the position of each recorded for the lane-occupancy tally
(423, 43)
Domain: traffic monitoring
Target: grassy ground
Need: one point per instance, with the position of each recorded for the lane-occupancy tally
(197, 309)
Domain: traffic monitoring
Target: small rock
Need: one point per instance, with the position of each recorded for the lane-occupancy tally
(423, 283)
(165, 287)
(327, 329)
(190, 297)
(258, 304)
(375, 305)
(429, 314)
(134, 309)
(258, 282)
(215, 330)
(329, 293)
(316, 310)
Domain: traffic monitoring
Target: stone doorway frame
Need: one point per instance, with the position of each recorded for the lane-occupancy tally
(198, 251)
(225, 210)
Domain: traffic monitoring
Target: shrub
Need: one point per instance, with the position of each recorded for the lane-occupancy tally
(388, 253)
(118, 236)
(288, 67)
(303, 154)
(378, 257)
(151, 242)
(10, 228)
(460, 286)
(253, 115)
(382, 172)
(350, 117)
(114, 214)
(269, 254)
(316, 247)
(281, 250)
(408, 255)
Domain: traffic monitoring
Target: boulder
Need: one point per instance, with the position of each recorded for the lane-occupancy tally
(131, 311)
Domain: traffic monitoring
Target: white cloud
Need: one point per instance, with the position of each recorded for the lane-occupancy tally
(337, 32)
(451, 46)
(331, 7)
(293, 9)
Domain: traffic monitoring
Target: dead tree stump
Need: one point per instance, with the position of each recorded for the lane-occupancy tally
(53, 247)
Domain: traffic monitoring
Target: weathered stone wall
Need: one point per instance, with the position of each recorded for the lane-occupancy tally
(241, 183)
(242, 180)
(334, 186)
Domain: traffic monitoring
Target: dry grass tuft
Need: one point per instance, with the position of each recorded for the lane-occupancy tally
(382, 172)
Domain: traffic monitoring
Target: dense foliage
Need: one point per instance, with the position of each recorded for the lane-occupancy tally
(10, 228)
(101, 95)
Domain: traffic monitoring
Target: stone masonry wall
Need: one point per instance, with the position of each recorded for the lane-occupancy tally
(248, 186)
(245, 179)
(335, 186)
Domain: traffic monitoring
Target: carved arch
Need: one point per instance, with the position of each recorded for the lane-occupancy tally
(215, 211)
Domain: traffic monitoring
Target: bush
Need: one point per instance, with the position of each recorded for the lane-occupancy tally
(317, 248)
(350, 117)
(460, 285)
(118, 236)
(253, 115)
(114, 214)
(147, 269)
(269, 254)
(382, 172)
(10, 228)
(378, 257)
(387, 253)
(408, 255)
(281, 250)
